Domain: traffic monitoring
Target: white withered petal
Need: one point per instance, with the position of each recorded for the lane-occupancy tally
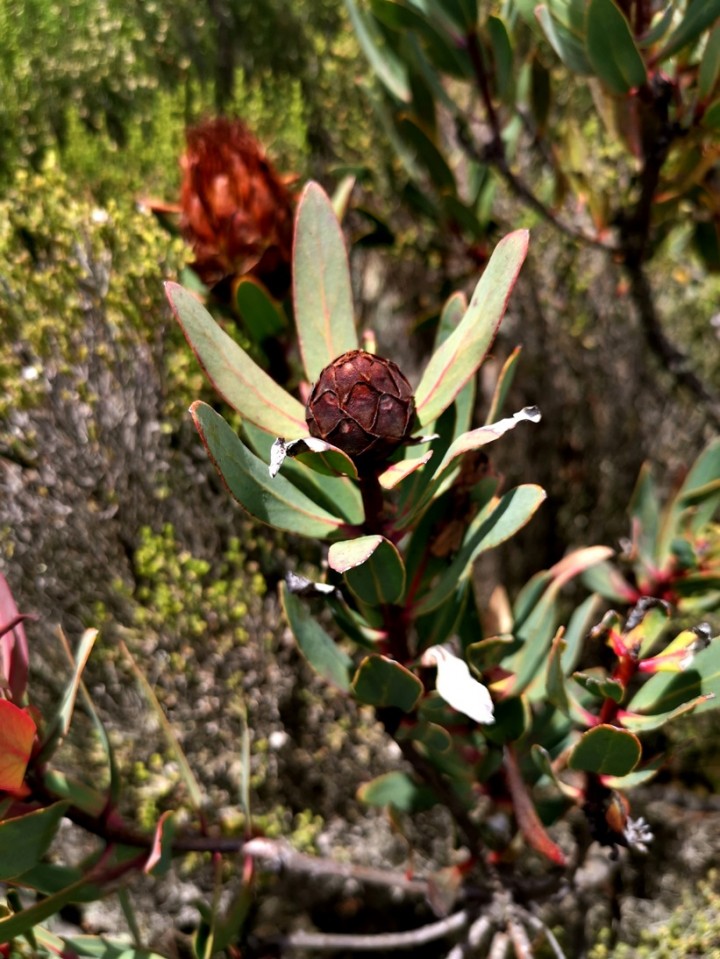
(457, 687)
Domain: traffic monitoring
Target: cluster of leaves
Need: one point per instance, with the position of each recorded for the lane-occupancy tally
(596, 117)
(501, 707)
(403, 540)
(648, 80)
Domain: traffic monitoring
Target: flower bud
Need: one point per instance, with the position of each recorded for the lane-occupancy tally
(236, 210)
(362, 404)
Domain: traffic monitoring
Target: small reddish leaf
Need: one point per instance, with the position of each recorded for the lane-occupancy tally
(528, 820)
(13, 644)
(17, 732)
(160, 856)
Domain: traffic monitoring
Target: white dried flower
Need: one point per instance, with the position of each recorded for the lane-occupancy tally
(457, 687)
(638, 834)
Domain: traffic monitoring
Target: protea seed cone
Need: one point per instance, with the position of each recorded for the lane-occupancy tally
(362, 404)
(237, 212)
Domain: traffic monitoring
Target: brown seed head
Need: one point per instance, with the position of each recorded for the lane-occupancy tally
(236, 210)
(362, 404)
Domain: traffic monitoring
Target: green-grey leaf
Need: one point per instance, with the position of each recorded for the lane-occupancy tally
(606, 750)
(24, 840)
(710, 65)
(322, 294)
(58, 728)
(536, 616)
(274, 501)
(19, 923)
(386, 65)
(373, 568)
(381, 681)
(503, 57)
(316, 645)
(397, 789)
(458, 359)
(492, 526)
(699, 16)
(262, 317)
(237, 378)
(641, 723)
(337, 494)
(666, 691)
(566, 45)
(426, 153)
(611, 48)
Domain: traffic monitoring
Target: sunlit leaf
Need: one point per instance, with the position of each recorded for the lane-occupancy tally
(500, 520)
(274, 501)
(322, 294)
(537, 616)
(457, 360)
(373, 568)
(642, 723)
(17, 733)
(397, 472)
(237, 378)
(664, 692)
(58, 727)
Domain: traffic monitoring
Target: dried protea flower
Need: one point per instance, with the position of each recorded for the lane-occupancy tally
(236, 210)
(362, 404)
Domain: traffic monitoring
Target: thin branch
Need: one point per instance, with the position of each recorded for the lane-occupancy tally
(539, 926)
(520, 940)
(279, 855)
(470, 831)
(328, 942)
(477, 935)
(495, 154)
(500, 946)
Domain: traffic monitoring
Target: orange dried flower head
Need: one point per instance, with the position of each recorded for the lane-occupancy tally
(236, 210)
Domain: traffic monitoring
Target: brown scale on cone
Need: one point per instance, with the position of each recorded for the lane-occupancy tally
(362, 404)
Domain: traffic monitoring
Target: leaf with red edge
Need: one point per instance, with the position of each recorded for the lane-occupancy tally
(158, 862)
(235, 376)
(13, 644)
(17, 732)
(527, 818)
(454, 363)
(322, 293)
